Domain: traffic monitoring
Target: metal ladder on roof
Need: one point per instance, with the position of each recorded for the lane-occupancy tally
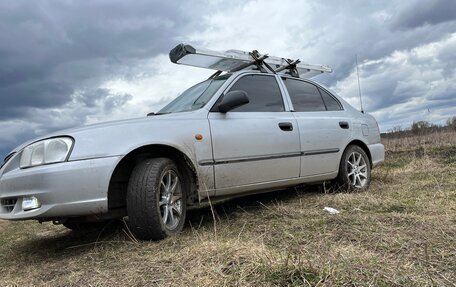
(237, 60)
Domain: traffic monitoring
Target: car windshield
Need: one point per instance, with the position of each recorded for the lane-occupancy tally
(195, 97)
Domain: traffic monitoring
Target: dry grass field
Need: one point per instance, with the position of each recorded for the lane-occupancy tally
(402, 232)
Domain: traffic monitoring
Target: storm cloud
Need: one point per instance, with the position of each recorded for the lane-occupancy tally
(49, 50)
(431, 12)
(54, 56)
(68, 63)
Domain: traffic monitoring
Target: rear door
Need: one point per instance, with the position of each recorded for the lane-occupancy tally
(323, 125)
(257, 142)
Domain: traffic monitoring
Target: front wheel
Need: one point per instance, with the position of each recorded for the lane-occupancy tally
(156, 201)
(354, 169)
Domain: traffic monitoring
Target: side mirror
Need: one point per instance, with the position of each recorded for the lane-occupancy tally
(231, 100)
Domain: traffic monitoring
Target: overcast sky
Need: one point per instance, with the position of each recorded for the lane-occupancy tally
(70, 63)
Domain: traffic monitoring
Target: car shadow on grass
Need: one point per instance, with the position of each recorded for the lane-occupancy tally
(57, 242)
(227, 210)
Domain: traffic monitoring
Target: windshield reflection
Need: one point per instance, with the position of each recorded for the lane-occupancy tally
(195, 97)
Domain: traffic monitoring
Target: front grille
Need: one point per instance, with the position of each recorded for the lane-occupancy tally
(8, 204)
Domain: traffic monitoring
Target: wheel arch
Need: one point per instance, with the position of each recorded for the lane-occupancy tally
(362, 145)
(118, 184)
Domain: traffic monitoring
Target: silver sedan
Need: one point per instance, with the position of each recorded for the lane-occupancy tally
(233, 134)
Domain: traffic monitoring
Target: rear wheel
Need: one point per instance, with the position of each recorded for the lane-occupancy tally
(354, 169)
(156, 201)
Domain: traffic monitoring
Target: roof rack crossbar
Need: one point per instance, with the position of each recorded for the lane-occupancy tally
(260, 62)
(293, 71)
(257, 60)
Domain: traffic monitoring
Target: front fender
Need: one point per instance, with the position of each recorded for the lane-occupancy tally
(121, 139)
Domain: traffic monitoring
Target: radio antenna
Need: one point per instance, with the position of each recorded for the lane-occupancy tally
(359, 86)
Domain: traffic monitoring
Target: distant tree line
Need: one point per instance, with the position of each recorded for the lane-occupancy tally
(421, 127)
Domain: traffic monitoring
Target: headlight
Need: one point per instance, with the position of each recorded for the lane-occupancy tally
(46, 151)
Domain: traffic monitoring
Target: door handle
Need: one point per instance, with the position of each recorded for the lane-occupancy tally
(344, 125)
(288, 127)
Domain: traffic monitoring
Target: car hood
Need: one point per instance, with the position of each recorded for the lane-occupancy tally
(119, 123)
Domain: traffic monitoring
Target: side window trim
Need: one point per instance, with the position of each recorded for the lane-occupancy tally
(285, 95)
(239, 77)
(341, 107)
(321, 96)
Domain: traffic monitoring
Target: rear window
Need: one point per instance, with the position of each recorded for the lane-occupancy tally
(304, 96)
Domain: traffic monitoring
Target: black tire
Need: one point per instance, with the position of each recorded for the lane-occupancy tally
(145, 197)
(349, 174)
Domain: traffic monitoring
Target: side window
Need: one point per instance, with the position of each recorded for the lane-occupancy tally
(331, 103)
(304, 96)
(263, 92)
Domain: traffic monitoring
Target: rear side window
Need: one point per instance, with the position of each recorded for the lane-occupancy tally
(263, 92)
(304, 96)
(331, 103)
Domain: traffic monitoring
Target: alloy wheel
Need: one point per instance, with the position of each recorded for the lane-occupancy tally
(170, 202)
(357, 170)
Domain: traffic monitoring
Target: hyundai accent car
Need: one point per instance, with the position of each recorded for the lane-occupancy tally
(240, 132)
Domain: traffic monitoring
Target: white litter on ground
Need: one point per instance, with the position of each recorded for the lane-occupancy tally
(331, 210)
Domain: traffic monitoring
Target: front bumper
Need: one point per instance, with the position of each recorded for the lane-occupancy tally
(377, 152)
(74, 188)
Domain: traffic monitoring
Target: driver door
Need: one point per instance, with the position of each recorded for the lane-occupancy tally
(257, 142)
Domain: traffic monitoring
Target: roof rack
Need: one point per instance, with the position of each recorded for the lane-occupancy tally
(236, 60)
